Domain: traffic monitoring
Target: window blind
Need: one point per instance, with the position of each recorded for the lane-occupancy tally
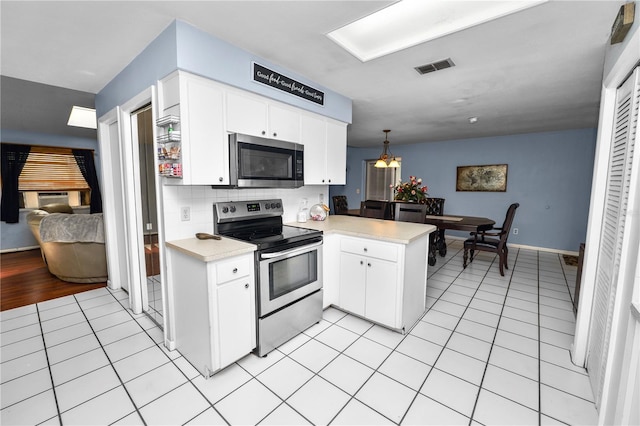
(51, 169)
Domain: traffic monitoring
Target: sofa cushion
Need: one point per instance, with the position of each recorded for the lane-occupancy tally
(57, 208)
(71, 228)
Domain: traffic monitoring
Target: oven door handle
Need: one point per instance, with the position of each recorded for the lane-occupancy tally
(302, 249)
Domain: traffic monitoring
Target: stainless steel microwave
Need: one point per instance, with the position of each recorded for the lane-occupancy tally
(256, 162)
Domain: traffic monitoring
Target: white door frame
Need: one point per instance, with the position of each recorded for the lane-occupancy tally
(130, 267)
(618, 395)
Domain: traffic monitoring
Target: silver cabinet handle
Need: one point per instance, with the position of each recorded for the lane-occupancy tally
(368, 264)
(235, 270)
(220, 179)
(264, 133)
(365, 249)
(275, 134)
(361, 262)
(302, 249)
(246, 285)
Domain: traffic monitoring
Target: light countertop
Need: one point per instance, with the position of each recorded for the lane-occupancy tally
(377, 229)
(210, 250)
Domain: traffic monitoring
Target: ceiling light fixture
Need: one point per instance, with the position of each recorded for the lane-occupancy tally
(383, 161)
(82, 117)
(408, 23)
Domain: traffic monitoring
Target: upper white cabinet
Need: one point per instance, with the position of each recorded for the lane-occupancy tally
(325, 150)
(257, 116)
(204, 145)
(208, 111)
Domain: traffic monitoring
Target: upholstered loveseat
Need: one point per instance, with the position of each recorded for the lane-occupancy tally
(72, 245)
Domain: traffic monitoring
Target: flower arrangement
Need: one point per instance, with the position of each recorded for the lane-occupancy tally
(411, 191)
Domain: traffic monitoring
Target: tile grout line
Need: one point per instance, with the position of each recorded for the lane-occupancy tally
(46, 354)
(171, 360)
(475, 404)
(539, 349)
(137, 410)
(448, 339)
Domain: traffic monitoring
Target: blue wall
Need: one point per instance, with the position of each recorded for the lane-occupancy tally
(18, 235)
(182, 46)
(549, 175)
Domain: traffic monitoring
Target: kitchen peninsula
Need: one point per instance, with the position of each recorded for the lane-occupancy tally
(376, 269)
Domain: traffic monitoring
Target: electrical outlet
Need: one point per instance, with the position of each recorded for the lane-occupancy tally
(185, 214)
(357, 190)
(149, 226)
(515, 231)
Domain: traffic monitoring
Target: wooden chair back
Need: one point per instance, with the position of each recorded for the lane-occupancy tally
(375, 209)
(340, 205)
(410, 212)
(435, 206)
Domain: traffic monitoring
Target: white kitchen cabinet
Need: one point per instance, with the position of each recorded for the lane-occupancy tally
(383, 282)
(204, 144)
(325, 150)
(330, 270)
(214, 309)
(257, 116)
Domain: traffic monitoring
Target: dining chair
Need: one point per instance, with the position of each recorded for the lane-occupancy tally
(410, 212)
(375, 209)
(479, 241)
(435, 207)
(417, 213)
(340, 205)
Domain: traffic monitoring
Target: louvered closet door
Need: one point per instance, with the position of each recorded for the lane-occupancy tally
(616, 197)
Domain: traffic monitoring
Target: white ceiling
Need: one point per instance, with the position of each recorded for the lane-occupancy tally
(536, 70)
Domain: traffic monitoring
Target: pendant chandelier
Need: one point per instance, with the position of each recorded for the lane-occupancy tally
(387, 159)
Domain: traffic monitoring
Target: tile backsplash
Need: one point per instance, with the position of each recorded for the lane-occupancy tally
(200, 200)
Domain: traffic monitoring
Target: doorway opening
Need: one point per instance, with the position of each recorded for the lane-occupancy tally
(148, 223)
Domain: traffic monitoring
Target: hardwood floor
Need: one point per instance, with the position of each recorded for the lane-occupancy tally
(25, 279)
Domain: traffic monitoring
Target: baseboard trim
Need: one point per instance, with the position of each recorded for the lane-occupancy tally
(526, 247)
(11, 250)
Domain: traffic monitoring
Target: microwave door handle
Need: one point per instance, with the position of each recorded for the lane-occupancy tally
(292, 251)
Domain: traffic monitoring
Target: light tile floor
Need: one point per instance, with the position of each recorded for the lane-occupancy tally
(489, 350)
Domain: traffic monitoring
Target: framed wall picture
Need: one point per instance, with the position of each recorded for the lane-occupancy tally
(491, 178)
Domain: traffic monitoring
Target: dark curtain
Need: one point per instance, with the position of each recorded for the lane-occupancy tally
(13, 160)
(84, 158)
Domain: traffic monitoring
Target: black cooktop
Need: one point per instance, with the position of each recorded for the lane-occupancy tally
(259, 222)
(271, 237)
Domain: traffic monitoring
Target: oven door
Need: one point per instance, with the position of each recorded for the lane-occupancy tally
(288, 275)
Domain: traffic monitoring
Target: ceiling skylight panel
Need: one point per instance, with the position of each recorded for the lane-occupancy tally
(411, 22)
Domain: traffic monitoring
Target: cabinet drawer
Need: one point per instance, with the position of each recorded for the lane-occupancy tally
(370, 248)
(232, 269)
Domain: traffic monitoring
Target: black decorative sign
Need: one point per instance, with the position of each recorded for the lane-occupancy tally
(274, 79)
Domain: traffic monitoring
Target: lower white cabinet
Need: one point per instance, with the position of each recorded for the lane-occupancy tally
(214, 309)
(383, 282)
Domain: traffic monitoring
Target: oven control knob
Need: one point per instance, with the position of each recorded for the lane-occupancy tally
(267, 206)
(274, 205)
(278, 205)
(225, 209)
(232, 209)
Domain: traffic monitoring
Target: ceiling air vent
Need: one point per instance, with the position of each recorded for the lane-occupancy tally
(435, 66)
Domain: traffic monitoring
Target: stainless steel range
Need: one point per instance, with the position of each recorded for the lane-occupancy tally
(288, 265)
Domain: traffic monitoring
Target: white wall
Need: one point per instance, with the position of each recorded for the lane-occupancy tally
(200, 200)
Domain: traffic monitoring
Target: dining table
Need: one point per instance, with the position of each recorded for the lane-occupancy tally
(455, 223)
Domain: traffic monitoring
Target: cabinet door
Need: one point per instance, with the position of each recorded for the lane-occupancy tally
(337, 151)
(314, 132)
(206, 158)
(236, 319)
(381, 291)
(284, 124)
(352, 283)
(246, 114)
